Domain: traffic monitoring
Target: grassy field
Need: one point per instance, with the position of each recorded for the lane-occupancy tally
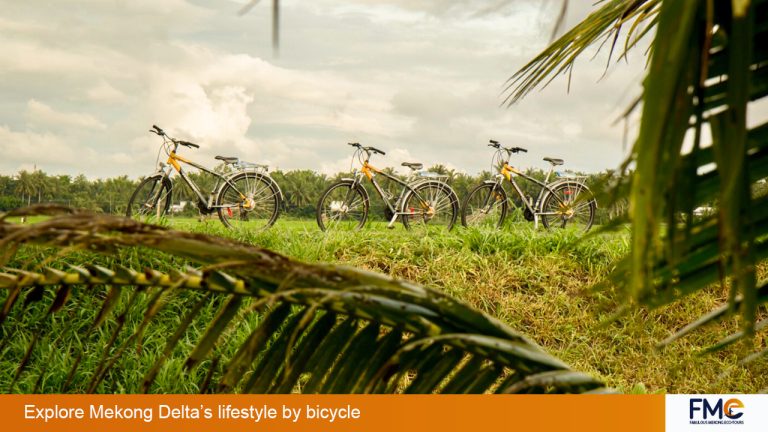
(538, 282)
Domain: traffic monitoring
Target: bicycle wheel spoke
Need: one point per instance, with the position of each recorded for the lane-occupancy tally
(248, 202)
(584, 205)
(260, 188)
(569, 206)
(342, 207)
(431, 204)
(151, 200)
(484, 207)
(443, 205)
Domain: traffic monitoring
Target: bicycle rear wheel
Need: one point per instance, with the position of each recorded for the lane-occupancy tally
(431, 203)
(343, 206)
(151, 199)
(569, 205)
(248, 201)
(484, 207)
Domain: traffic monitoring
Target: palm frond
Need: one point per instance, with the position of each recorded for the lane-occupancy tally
(708, 61)
(310, 328)
(708, 68)
(602, 26)
(275, 21)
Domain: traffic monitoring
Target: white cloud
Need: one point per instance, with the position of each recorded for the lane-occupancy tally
(26, 150)
(421, 79)
(41, 114)
(20, 148)
(394, 158)
(342, 165)
(105, 92)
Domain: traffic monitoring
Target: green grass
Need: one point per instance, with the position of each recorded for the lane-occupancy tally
(538, 282)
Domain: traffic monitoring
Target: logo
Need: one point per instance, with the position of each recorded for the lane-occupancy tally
(733, 408)
(707, 411)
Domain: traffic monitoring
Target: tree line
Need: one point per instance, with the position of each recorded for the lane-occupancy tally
(301, 190)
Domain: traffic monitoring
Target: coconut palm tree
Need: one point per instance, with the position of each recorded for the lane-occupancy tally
(42, 184)
(25, 186)
(708, 60)
(443, 170)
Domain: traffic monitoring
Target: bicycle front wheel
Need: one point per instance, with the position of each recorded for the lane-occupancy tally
(248, 201)
(431, 203)
(569, 205)
(343, 206)
(484, 207)
(151, 199)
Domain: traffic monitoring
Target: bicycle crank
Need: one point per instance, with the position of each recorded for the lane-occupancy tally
(528, 215)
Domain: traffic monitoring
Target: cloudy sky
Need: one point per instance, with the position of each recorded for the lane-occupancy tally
(82, 80)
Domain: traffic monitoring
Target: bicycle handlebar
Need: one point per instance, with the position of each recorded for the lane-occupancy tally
(496, 145)
(188, 144)
(156, 130)
(367, 149)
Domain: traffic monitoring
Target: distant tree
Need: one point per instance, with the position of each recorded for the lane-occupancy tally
(41, 183)
(25, 186)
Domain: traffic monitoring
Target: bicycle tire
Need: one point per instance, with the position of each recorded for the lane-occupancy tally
(434, 214)
(493, 215)
(261, 207)
(561, 200)
(335, 204)
(152, 202)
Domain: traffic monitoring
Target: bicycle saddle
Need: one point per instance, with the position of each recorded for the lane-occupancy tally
(227, 159)
(413, 165)
(554, 161)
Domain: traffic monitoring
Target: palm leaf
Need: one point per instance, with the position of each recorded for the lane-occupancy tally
(604, 25)
(313, 328)
(708, 61)
(275, 21)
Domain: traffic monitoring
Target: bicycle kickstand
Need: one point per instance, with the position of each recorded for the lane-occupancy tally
(391, 224)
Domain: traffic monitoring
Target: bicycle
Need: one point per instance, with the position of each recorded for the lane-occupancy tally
(566, 201)
(425, 198)
(244, 196)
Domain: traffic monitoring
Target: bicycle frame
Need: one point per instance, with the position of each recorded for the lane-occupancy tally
(221, 180)
(396, 209)
(535, 207)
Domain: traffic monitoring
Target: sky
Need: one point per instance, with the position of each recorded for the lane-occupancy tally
(81, 82)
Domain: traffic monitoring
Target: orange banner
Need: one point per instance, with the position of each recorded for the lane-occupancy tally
(307, 413)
